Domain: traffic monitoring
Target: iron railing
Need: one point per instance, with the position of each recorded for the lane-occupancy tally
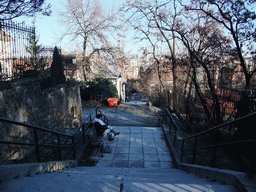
(211, 140)
(79, 133)
(13, 42)
(14, 57)
(174, 125)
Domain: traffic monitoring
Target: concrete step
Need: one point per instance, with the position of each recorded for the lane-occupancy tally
(113, 179)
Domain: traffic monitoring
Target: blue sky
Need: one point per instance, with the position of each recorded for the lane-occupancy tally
(50, 29)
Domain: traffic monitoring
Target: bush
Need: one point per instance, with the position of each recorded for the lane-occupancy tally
(57, 69)
(30, 73)
(86, 90)
(100, 88)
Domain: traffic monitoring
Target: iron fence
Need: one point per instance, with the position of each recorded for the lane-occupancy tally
(14, 38)
(13, 42)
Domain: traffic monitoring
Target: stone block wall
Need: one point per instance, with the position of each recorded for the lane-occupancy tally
(57, 108)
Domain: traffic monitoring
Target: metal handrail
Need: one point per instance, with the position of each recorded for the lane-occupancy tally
(214, 146)
(176, 127)
(173, 125)
(32, 144)
(222, 144)
(219, 126)
(2, 119)
(83, 128)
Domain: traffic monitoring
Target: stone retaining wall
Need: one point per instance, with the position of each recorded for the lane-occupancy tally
(57, 108)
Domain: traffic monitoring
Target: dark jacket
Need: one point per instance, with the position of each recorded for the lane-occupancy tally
(100, 128)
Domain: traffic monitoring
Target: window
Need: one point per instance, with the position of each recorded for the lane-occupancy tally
(225, 78)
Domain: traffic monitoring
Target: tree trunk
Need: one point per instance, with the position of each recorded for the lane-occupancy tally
(84, 72)
(241, 58)
(174, 100)
(216, 119)
(188, 108)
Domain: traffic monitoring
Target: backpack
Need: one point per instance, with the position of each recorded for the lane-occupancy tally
(110, 136)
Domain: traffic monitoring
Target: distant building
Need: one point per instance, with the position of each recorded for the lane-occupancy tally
(6, 63)
(74, 70)
(70, 67)
(120, 86)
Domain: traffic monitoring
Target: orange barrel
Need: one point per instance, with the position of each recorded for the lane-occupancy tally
(112, 102)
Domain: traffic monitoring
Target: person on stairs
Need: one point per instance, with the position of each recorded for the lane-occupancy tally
(101, 127)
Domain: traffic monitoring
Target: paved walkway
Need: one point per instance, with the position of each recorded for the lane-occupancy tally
(127, 114)
(137, 147)
(139, 162)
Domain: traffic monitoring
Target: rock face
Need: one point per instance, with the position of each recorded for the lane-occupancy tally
(57, 108)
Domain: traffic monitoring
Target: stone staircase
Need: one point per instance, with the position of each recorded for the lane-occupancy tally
(114, 179)
(140, 161)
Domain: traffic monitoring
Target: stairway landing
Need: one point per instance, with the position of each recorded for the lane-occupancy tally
(137, 147)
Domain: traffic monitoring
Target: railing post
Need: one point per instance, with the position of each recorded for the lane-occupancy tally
(215, 149)
(170, 126)
(73, 146)
(214, 156)
(194, 151)
(175, 135)
(182, 150)
(169, 121)
(59, 147)
(252, 167)
(83, 132)
(163, 116)
(37, 146)
(162, 119)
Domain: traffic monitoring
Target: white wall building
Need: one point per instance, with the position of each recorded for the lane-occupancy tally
(6, 63)
(120, 86)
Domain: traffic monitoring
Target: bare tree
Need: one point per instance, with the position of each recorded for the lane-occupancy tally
(111, 63)
(208, 50)
(205, 41)
(238, 18)
(91, 25)
(12, 9)
(148, 18)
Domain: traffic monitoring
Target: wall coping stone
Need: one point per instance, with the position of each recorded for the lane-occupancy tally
(30, 169)
(239, 180)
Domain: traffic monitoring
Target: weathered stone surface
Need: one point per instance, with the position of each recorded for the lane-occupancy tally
(57, 108)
